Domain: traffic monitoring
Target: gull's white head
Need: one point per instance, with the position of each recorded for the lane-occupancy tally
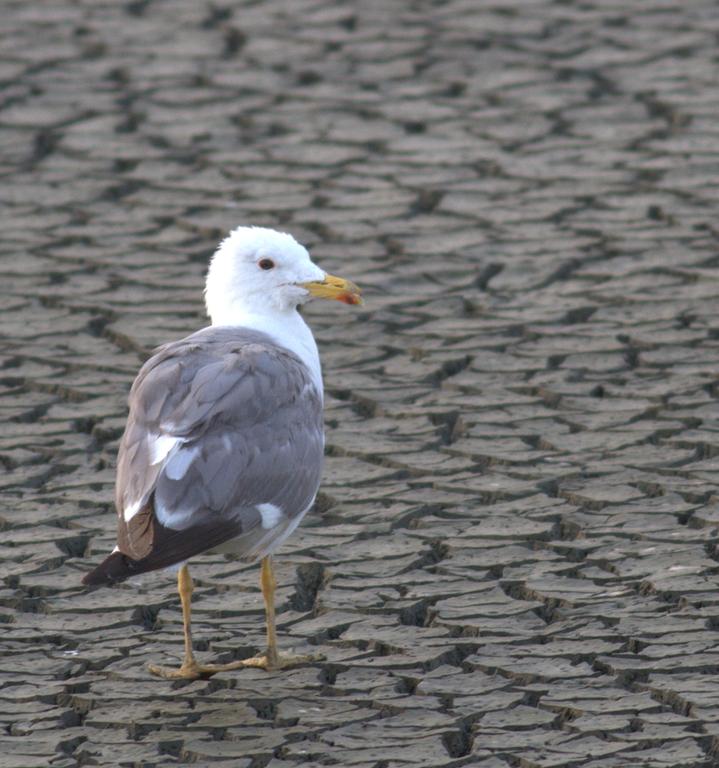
(260, 271)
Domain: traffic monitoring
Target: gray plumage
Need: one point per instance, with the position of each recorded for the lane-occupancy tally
(222, 424)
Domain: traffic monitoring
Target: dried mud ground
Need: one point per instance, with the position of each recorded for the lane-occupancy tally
(512, 562)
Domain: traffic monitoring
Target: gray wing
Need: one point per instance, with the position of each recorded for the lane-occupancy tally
(224, 439)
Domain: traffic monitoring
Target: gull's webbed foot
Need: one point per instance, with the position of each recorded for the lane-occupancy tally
(270, 662)
(188, 671)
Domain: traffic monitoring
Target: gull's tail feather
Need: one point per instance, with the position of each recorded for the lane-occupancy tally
(113, 569)
(164, 547)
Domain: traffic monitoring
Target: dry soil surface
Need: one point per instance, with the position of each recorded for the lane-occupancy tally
(512, 562)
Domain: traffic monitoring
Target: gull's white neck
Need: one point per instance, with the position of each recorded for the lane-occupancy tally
(286, 327)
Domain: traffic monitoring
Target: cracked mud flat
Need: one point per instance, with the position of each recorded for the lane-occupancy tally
(513, 559)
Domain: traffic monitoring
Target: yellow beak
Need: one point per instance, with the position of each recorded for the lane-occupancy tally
(334, 288)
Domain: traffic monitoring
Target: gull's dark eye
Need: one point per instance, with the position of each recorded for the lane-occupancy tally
(266, 264)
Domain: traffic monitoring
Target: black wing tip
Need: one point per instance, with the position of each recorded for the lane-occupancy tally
(114, 568)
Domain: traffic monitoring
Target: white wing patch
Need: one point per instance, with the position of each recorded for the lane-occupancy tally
(271, 515)
(177, 519)
(178, 464)
(264, 548)
(160, 446)
(129, 512)
(286, 533)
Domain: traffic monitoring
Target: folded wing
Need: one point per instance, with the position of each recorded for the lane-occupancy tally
(224, 441)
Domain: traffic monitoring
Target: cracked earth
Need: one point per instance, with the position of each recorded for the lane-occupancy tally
(513, 560)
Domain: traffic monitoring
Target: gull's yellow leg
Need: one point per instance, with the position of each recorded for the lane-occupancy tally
(272, 658)
(269, 585)
(191, 670)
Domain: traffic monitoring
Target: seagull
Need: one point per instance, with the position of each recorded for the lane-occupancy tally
(224, 440)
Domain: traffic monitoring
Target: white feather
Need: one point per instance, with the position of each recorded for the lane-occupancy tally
(160, 446)
(178, 464)
(130, 511)
(271, 515)
(288, 531)
(177, 519)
